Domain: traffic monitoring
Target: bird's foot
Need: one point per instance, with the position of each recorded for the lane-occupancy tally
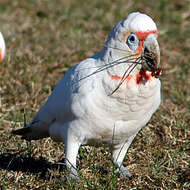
(73, 175)
(123, 172)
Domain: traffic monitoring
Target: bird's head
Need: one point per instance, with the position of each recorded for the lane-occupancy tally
(132, 47)
(2, 47)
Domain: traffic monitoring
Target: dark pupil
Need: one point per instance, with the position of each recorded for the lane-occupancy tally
(132, 38)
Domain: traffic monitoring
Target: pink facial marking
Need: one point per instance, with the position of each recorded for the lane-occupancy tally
(142, 36)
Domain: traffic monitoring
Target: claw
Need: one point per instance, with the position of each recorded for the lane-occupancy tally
(124, 172)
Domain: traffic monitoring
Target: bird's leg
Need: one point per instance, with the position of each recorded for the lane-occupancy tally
(72, 147)
(118, 155)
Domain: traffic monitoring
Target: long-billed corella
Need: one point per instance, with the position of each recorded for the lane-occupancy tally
(105, 99)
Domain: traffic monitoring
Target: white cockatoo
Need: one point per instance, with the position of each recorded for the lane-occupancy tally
(2, 47)
(105, 99)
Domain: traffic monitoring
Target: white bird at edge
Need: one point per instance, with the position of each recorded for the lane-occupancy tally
(105, 99)
(2, 47)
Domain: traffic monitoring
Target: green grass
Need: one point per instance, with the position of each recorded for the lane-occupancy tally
(44, 39)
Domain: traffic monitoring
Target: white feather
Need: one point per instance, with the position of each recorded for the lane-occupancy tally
(81, 110)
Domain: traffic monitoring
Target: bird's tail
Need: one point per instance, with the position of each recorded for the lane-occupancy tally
(33, 131)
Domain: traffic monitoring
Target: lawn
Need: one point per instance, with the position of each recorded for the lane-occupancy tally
(44, 39)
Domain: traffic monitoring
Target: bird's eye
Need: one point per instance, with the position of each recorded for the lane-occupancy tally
(132, 42)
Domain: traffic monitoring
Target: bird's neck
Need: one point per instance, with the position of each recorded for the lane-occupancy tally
(141, 76)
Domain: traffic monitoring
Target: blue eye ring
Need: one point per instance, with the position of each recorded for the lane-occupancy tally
(132, 41)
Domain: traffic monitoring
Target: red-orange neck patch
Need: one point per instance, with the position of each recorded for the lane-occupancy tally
(143, 75)
(115, 77)
(139, 77)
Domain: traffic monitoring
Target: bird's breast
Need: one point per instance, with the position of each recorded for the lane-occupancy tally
(132, 104)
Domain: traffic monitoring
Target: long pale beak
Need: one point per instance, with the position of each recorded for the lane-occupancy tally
(151, 53)
(2, 47)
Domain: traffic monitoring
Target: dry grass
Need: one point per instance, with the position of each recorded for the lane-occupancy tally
(44, 39)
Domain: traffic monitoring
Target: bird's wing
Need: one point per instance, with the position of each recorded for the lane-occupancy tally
(59, 106)
(72, 86)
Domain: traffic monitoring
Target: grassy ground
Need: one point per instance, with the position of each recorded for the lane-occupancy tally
(44, 39)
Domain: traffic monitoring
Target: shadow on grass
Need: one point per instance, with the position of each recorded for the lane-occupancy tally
(18, 161)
